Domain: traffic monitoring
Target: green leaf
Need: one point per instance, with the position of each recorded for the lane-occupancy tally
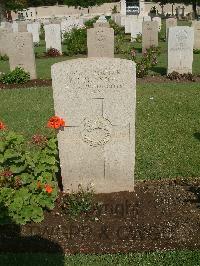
(9, 154)
(17, 169)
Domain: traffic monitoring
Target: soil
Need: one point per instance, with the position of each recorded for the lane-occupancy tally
(48, 82)
(29, 84)
(158, 215)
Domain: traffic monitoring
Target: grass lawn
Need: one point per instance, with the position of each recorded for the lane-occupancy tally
(178, 258)
(168, 125)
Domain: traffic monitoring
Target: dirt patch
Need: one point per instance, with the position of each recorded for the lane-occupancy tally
(48, 82)
(158, 215)
(164, 79)
(29, 84)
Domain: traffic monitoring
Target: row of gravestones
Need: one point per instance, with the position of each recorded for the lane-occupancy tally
(64, 26)
(134, 25)
(100, 42)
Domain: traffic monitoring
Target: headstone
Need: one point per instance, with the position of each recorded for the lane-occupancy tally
(128, 21)
(100, 42)
(123, 7)
(180, 49)
(22, 26)
(34, 29)
(97, 99)
(149, 35)
(146, 18)
(21, 52)
(136, 28)
(4, 43)
(159, 21)
(170, 22)
(102, 22)
(53, 37)
(15, 27)
(196, 27)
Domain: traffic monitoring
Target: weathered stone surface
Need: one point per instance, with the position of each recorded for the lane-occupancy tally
(21, 52)
(196, 27)
(180, 49)
(4, 43)
(22, 26)
(149, 34)
(100, 42)
(15, 27)
(34, 29)
(159, 21)
(128, 21)
(146, 18)
(97, 99)
(136, 28)
(170, 22)
(53, 37)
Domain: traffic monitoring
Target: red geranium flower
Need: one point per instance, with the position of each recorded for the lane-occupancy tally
(56, 122)
(2, 126)
(48, 188)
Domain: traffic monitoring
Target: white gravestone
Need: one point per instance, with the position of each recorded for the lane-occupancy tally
(170, 22)
(196, 27)
(97, 99)
(21, 52)
(34, 29)
(136, 28)
(159, 21)
(100, 42)
(53, 37)
(180, 49)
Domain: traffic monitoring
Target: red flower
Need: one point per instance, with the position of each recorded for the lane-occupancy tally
(2, 126)
(56, 122)
(48, 188)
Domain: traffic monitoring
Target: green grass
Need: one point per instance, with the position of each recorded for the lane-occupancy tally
(168, 125)
(170, 258)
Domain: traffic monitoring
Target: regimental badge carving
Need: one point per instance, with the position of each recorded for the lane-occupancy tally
(181, 35)
(96, 132)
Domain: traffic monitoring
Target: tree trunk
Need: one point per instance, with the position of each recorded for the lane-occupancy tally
(194, 7)
(2, 12)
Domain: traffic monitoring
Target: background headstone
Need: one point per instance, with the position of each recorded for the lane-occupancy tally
(4, 43)
(53, 37)
(102, 22)
(34, 29)
(22, 26)
(136, 28)
(159, 21)
(100, 42)
(149, 35)
(180, 49)
(196, 26)
(170, 22)
(97, 99)
(21, 52)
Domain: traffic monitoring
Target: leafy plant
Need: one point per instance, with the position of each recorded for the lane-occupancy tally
(52, 52)
(76, 41)
(78, 203)
(177, 76)
(28, 170)
(196, 51)
(17, 76)
(4, 57)
(89, 23)
(139, 38)
(144, 63)
(114, 9)
(117, 29)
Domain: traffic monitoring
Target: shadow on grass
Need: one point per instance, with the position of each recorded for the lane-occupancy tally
(197, 135)
(12, 241)
(159, 70)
